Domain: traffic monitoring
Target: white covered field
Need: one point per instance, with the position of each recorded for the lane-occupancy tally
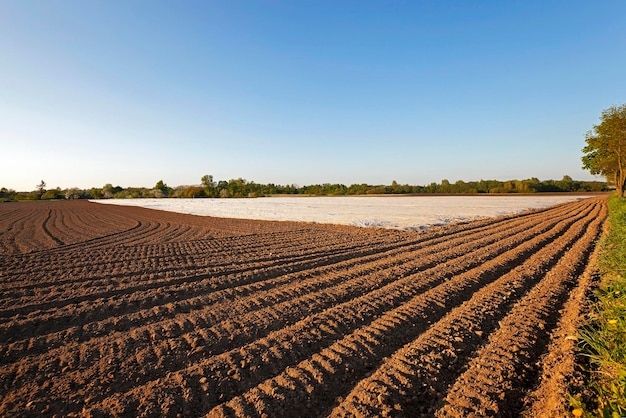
(400, 212)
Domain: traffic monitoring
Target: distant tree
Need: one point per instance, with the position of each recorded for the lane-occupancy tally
(445, 186)
(532, 185)
(393, 188)
(209, 185)
(41, 188)
(178, 191)
(96, 193)
(161, 189)
(161, 186)
(7, 194)
(193, 191)
(238, 187)
(376, 190)
(73, 193)
(52, 194)
(358, 188)
(605, 153)
(107, 191)
(207, 180)
(27, 195)
(335, 189)
(567, 184)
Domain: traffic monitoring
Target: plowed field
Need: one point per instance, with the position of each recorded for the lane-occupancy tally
(121, 311)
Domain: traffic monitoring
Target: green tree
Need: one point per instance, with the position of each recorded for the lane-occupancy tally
(209, 185)
(96, 193)
(161, 186)
(107, 191)
(52, 194)
(161, 189)
(7, 194)
(605, 153)
(73, 193)
(193, 191)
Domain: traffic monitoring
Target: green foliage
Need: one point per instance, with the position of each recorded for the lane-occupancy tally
(162, 190)
(21, 196)
(193, 191)
(95, 193)
(74, 193)
(52, 194)
(605, 153)
(603, 338)
(161, 186)
(108, 191)
(209, 185)
(7, 195)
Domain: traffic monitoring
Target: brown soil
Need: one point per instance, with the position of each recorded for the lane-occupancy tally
(120, 311)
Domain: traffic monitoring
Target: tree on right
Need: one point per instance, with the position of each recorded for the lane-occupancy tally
(605, 153)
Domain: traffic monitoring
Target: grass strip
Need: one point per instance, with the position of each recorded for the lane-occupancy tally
(602, 340)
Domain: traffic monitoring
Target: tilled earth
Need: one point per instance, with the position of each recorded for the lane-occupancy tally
(121, 311)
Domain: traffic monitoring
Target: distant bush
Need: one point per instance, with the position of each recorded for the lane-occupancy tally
(73, 193)
(52, 194)
(7, 195)
(193, 191)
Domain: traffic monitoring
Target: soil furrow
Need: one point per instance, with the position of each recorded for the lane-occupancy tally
(559, 375)
(46, 229)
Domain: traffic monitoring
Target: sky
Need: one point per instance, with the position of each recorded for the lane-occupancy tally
(303, 92)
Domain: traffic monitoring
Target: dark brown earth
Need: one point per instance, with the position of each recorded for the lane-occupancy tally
(120, 311)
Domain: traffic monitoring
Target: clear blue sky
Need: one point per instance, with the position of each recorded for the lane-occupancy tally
(305, 92)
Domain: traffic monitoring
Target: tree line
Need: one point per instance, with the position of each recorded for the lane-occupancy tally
(239, 188)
